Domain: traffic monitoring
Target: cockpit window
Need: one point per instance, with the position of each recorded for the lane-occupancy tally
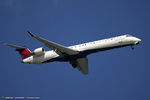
(128, 35)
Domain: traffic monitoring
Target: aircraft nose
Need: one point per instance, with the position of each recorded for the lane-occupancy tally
(137, 40)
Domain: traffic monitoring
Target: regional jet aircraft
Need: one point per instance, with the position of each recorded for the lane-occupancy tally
(76, 55)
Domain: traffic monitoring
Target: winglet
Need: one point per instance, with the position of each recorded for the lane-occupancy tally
(31, 34)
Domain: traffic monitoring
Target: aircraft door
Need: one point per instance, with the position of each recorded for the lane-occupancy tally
(121, 40)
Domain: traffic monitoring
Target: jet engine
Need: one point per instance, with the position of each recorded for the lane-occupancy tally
(38, 51)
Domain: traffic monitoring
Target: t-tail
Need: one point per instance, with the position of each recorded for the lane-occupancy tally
(24, 52)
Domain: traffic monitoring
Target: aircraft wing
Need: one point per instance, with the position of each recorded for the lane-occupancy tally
(81, 64)
(59, 49)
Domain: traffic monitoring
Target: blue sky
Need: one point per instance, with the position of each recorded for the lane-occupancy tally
(120, 74)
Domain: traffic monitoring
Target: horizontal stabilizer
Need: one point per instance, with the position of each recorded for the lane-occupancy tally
(14, 46)
(24, 52)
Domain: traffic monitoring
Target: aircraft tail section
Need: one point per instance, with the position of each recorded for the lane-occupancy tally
(24, 52)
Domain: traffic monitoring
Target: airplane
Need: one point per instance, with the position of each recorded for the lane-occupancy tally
(76, 55)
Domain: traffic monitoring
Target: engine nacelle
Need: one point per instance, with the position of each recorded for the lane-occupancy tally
(39, 51)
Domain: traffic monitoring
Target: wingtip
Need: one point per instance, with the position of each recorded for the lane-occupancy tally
(31, 33)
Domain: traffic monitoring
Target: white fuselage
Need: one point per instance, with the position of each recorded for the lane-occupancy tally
(95, 46)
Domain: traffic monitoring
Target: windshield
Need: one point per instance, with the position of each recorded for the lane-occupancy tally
(128, 35)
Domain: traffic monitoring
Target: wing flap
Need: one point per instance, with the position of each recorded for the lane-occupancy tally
(81, 64)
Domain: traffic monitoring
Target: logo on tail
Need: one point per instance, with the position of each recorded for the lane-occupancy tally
(25, 53)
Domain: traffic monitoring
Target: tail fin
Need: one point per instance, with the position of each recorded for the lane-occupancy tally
(24, 52)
